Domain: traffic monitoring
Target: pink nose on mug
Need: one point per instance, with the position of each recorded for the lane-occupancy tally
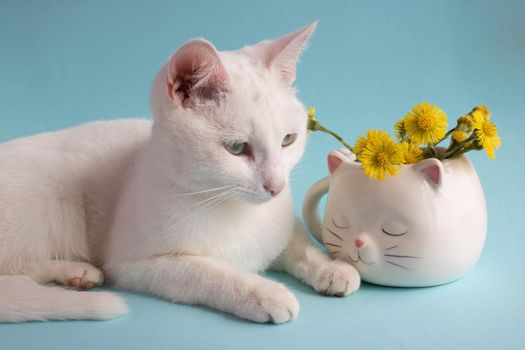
(359, 243)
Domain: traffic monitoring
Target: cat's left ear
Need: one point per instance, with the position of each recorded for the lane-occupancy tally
(282, 54)
(432, 170)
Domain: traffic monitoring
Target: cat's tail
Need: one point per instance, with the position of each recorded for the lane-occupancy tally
(22, 299)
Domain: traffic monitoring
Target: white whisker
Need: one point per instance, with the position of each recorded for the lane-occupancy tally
(206, 191)
(209, 201)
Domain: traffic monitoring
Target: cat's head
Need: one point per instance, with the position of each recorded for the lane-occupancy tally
(426, 225)
(231, 118)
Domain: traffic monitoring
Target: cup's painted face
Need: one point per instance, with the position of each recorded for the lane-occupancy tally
(412, 229)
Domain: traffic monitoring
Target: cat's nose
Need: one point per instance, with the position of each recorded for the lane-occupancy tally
(274, 188)
(359, 243)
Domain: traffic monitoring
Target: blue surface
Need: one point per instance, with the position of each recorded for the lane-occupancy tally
(67, 62)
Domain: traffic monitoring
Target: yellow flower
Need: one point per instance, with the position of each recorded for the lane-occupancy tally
(371, 136)
(459, 136)
(478, 118)
(486, 136)
(465, 123)
(400, 129)
(312, 123)
(411, 153)
(425, 123)
(380, 156)
(483, 110)
(486, 131)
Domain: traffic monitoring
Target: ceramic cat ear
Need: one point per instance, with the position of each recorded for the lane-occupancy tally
(283, 53)
(336, 158)
(432, 170)
(195, 71)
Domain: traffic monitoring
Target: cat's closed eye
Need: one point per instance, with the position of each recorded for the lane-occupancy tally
(289, 139)
(237, 148)
(394, 228)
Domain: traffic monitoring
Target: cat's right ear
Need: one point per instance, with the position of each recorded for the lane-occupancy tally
(195, 71)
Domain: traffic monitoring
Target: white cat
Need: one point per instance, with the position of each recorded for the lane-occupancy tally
(188, 209)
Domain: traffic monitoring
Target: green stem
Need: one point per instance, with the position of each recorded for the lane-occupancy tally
(433, 151)
(452, 150)
(446, 135)
(319, 127)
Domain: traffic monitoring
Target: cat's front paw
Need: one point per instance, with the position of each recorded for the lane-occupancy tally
(336, 278)
(77, 275)
(269, 301)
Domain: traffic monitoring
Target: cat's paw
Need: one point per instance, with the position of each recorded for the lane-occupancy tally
(336, 278)
(269, 301)
(77, 275)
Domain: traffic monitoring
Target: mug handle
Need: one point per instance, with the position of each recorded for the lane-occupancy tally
(310, 204)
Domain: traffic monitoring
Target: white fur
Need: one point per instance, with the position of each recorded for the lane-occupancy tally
(166, 209)
(22, 299)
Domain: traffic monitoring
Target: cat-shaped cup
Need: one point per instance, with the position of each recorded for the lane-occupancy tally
(424, 226)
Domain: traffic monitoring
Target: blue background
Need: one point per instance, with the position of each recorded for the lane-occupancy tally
(67, 62)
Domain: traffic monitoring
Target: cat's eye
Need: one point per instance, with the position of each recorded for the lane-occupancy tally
(394, 228)
(289, 139)
(236, 148)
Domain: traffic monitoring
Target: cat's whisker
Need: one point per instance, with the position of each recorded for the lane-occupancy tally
(209, 202)
(335, 234)
(218, 201)
(212, 198)
(392, 247)
(333, 245)
(206, 191)
(403, 256)
(400, 266)
(226, 201)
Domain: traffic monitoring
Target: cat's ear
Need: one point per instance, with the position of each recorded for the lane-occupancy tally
(432, 170)
(195, 71)
(283, 53)
(337, 158)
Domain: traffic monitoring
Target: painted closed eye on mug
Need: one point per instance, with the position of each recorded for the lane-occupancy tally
(341, 222)
(394, 228)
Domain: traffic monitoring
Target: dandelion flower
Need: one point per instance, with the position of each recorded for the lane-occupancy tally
(400, 129)
(486, 136)
(425, 124)
(483, 110)
(380, 156)
(371, 136)
(312, 122)
(411, 153)
(459, 136)
(465, 123)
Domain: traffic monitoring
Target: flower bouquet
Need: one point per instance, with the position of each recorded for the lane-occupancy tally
(419, 135)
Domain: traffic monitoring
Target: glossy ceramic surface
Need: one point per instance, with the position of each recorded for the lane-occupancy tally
(425, 226)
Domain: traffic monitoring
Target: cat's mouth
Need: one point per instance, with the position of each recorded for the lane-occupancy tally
(359, 259)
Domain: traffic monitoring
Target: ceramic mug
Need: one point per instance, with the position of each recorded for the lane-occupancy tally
(424, 226)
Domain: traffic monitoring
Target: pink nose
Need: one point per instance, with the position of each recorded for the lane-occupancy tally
(274, 188)
(359, 243)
